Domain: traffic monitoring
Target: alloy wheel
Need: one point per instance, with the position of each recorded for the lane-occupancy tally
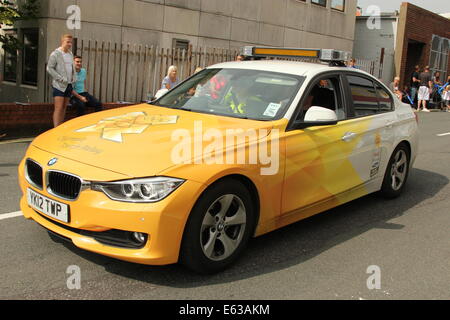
(223, 227)
(399, 169)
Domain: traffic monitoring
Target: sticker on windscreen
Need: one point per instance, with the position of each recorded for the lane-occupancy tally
(272, 109)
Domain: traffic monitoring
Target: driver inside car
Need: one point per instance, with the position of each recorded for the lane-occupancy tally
(240, 99)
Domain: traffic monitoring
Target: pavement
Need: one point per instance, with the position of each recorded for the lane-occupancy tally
(333, 255)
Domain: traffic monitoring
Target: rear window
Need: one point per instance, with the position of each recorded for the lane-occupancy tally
(365, 100)
(386, 102)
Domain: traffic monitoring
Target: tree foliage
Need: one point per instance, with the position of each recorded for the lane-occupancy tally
(10, 13)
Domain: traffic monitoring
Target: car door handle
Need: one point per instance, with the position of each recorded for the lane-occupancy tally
(349, 136)
(389, 123)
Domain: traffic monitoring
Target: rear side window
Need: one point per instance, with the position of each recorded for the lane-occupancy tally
(365, 100)
(386, 103)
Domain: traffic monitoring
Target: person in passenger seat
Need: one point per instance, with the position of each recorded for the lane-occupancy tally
(320, 96)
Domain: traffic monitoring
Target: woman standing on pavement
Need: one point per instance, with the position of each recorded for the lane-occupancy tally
(171, 79)
(61, 69)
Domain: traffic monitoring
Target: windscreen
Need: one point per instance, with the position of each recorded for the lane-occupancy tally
(249, 94)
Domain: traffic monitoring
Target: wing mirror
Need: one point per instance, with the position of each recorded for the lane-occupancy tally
(318, 116)
(160, 93)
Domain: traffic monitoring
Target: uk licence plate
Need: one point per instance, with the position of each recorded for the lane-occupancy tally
(47, 206)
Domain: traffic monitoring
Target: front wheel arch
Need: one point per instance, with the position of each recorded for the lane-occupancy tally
(253, 193)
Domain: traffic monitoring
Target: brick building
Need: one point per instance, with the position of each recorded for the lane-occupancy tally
(423, 38)
(412, 36)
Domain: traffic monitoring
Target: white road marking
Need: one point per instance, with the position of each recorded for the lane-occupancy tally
(4, 216)
(443, 134)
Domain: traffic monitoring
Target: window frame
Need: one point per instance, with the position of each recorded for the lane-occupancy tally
(319, 4)
(294, 124)
(344, 5)
(441, 56)
(182, 44)
(16, 73)
(379, 98)
(24, 71)
(374, 82)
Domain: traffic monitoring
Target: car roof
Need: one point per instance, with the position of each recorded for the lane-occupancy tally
(288, 67)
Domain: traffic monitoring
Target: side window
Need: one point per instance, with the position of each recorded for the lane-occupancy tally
(365, 100)
(10, 61)
(386, 103)
(325, 93)
(30, 56)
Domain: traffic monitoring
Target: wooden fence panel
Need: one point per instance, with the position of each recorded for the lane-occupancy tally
(134, 72)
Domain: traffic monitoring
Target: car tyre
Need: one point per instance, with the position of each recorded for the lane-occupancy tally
(396, 173)
(219, 227)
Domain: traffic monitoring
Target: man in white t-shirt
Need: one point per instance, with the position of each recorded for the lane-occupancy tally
(425, 88)
(68, 57)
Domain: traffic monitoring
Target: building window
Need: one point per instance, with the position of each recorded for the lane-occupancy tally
(322, 3)
(180, 44)
(440, 48)
(30, 56)
(338, 5)
(10, 63)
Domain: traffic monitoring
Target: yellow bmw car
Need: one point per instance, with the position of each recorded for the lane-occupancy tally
(233, 152)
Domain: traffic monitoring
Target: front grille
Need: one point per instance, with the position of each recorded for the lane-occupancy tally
(34, 173)
(63, 185)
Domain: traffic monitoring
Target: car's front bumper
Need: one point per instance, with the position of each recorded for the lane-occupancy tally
(93, 212)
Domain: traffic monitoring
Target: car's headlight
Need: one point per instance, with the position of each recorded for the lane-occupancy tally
(138, 190)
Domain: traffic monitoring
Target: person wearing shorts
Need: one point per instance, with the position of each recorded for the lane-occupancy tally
(61, 69)
(415, 83)
(424, 89)
(446, 98)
